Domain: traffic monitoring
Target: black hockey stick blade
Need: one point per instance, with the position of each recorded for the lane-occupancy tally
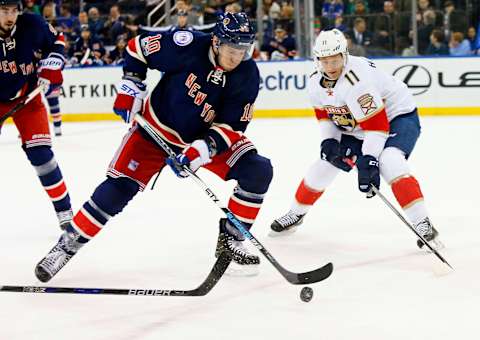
(310, 277)
(215, 275)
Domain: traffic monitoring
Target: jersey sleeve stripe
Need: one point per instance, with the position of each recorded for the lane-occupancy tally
(320, 113)
(134, 49)
(226, 132)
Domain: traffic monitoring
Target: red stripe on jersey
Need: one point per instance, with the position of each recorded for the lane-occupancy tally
(406, 191)
(57, 190)
(377, 122)
(241, 210)
(321, 113)
(232, 136)
(132, 45)
(86, 226)
(306, 195)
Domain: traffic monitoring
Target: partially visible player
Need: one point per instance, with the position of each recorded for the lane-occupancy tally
(55, 113)
(201, 107)
(366, 115)
(21, 35)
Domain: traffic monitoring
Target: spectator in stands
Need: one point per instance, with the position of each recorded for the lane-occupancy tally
(425, 30)
(117, 55)
(31, 7)
(182, 22)
(87, 49)
(384, 26)
(82, 20)
(48, 12)
(360, 9)
(359, 34)
(271, 9)
(350, 7)
(279, 47)
(459, 46)
(353, 48)
(66, 21)
(437, 45)
(472, 38)
(332, 9)
(250, 7)
(453, 20)
(114, 26)
(192, 18)
(339, 25)
(95, 23)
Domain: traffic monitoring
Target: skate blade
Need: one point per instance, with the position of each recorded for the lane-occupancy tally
(283, 233)
(237, 270)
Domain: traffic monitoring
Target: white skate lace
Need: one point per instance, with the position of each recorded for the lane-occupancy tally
(237, 248)
(289, 219)
(55, 260)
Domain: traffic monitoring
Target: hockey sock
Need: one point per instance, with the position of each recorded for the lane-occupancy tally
(54, 105)
(48, 171)
(305, 197)
(109, 198)
(409, 195)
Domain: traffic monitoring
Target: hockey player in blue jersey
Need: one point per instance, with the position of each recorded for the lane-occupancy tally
(21, 35)
(201, 107)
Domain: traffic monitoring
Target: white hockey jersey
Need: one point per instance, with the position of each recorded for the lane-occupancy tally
(361, 102)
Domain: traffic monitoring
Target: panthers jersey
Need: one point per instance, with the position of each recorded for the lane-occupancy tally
(361, 102)
(195, 98)
(18, 57)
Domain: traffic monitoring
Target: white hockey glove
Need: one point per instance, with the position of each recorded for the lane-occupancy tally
(130, 95)
(194, 156)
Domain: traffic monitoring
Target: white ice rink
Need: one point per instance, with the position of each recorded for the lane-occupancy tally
(382, 288)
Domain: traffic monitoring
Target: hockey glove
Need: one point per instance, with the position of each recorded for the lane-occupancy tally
(194, 156)
(130, 95)
(50, 72)
(335, 153)
(368, 174)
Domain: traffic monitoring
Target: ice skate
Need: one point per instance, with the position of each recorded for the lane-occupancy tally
(244, 262)
(286, 225)
(430, 234)
(58, 256)
(64, 218)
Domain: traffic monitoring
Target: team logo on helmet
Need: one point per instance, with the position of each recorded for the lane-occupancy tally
(226, 21)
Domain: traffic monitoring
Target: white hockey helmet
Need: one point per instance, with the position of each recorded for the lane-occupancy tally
(329, 43)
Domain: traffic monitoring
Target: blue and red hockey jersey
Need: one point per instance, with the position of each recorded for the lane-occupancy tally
(195, 98)
(30, 35)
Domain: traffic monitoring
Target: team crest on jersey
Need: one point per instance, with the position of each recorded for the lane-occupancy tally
(367, 104)
(341, 117)
(182, 38)
(151, 44)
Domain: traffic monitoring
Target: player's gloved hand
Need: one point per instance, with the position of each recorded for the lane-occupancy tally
(130, 95)
(368, 174)
(335, 153)
(50, 72)
(194, 156)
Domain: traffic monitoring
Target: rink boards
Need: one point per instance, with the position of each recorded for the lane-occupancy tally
(441, 86)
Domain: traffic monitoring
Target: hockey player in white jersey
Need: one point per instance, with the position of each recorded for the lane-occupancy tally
(367, 116)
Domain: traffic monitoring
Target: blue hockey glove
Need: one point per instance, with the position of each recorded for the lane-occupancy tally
(368, 174)
(194, 156)
(335, 153)
(130, 96)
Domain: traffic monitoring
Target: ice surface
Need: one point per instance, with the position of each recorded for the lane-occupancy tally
(382, 287)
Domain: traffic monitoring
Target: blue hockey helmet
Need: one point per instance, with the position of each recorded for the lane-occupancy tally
(12, 2)
(235, 29)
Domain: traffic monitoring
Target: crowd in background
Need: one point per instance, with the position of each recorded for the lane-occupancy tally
(97, 31)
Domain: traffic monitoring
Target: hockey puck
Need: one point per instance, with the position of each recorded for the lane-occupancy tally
(306, 294)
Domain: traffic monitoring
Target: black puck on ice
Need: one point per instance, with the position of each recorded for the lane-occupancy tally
(306, 294)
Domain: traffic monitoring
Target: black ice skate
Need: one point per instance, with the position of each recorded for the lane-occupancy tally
(426, 229)
(244, 262)
(58, 256)
(64, 218)
(287, 224)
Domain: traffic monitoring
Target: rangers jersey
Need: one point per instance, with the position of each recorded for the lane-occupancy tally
(361, 103)
(18, 74)
(195, 98)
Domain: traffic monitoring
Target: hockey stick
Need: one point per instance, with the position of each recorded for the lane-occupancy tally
(403, 219)
(215, 274)
(21, 104)
(294, 278)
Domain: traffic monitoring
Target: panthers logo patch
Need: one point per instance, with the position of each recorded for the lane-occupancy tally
(341, 117)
